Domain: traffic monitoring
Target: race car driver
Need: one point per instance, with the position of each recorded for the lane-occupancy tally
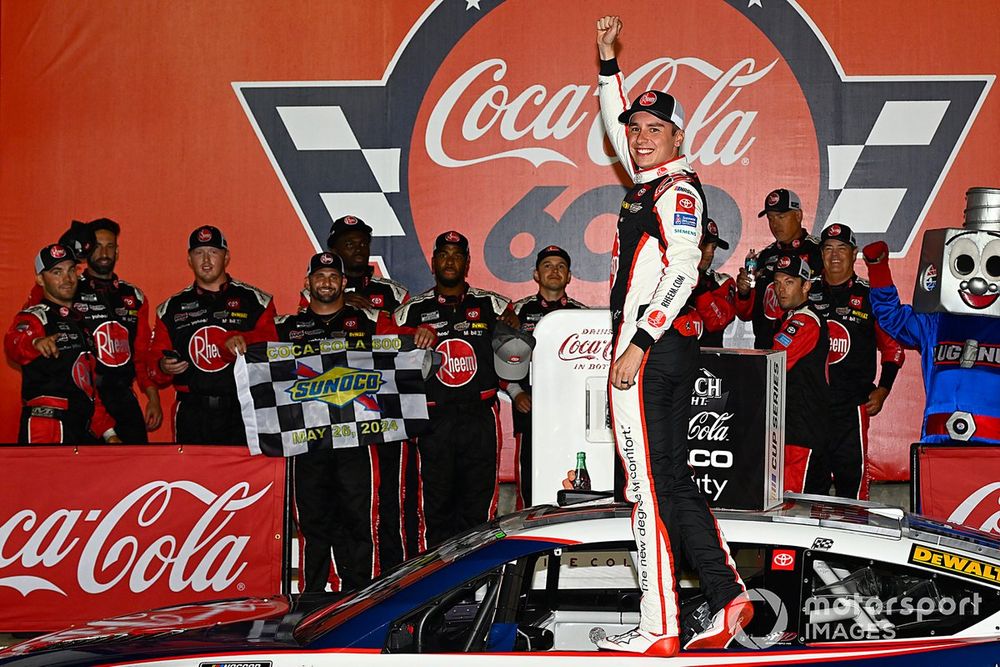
(654, 268)
(552, 273)
(803, 335)
(843, 299)
(55, 352)
(347, 498)
(189, 342)
(758, 304)
(714, 297)
(459, 483)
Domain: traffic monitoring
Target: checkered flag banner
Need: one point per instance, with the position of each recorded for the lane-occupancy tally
(298, 397)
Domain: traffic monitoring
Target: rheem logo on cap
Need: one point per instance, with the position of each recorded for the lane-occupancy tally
(350, 220)
(452, 237)
(325, 258)
(834, 231)
(784, 262)
(204, 234)
(57, 252)
(713, 228)
(772, 198)
(648, 99)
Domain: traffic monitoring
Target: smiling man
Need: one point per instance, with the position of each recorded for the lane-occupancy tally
(654, 268)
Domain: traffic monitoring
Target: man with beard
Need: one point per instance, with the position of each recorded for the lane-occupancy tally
(803, 335)
(458, 458)
(654, 268)
(55, 352)
(117, 315)
(189, 342)
(348, 499)
(552, 273)
(351, 238)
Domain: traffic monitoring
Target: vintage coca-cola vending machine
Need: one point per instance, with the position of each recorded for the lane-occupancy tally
(736, 428)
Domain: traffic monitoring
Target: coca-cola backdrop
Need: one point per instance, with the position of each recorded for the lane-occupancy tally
(271, 119)
(103, 531)
(959, 483)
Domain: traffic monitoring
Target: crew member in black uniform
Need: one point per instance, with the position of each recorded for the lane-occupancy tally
(459, 457)
(339, 491)
(802, 334)
(189, 342)
(842, 298)
(350, 238)
(759, 304)
(714, 297)
(117, 314)
(552, 273)
(55, 351)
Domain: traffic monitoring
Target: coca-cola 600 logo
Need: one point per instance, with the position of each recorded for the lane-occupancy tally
(476, 115)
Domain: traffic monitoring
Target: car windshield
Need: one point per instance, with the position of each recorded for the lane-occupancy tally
(415, 569)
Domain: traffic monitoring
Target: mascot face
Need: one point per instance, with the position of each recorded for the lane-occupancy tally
(959, 272)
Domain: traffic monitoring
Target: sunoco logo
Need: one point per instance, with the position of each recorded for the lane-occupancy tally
(337, 386)
(464, 101)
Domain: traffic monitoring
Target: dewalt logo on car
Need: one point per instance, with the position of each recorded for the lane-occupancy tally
(337, 386)
(970, 568)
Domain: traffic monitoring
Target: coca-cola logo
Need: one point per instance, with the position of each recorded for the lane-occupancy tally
(840, 342)
(459, 365)
(980, 509)
(592, 345)
(205, 348)
(469, 103)
(108, 553)
(112, 344)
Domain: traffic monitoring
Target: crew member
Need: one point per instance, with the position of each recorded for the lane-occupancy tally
(346, 498)
(552, 273)
(189, 342)
(841, 297)
(117, 315)
(55, 351)
(714, 297)
(759, 305)
(802, 334)
(458, 458)
(351, 238)
(654, 268)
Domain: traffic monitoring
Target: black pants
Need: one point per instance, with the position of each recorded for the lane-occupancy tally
(847, 450)
(123, 406)
(522, 436)
(459, 485)
(208, 420)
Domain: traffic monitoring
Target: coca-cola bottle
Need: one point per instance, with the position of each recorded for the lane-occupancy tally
(581, 482)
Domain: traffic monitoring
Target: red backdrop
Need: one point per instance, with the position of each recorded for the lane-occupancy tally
(128, 110)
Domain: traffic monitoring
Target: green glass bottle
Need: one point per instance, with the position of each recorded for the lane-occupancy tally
(582, 480)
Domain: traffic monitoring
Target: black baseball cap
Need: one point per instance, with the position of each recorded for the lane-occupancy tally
(348, 223)
(711, 235)
(51, 255)
(779, 201)
(660, 104)
(209, 236)
(79, 238)
(793, 265)
(451, 238)
(552, 251)
(325, 260)
(839, 232)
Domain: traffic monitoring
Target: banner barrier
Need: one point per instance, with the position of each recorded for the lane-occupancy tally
(98, 531)
(957, 483)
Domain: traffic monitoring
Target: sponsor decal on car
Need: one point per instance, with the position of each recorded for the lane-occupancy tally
(964, 566)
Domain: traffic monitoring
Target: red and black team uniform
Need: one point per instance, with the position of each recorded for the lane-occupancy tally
(196, 323)
(384, 293)
(761, 306)
(459, 458)
(714, 298)
(117, 314)
(854, 338)
(349, 499)
(654, 268)
(59, 396)
(529, 311)
(802, 334)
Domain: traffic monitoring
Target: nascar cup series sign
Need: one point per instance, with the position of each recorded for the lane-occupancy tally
(472, 99)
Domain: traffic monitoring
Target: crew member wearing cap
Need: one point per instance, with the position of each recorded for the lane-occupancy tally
(757, 304)
(458, 458)
(841, 297)
(350, 238)
(189, 342)
(802, 334)
(654, 268)
(714, 297)
(55, 351)
(347, 498)
(552, 273)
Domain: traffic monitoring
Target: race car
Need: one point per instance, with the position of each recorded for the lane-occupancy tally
(830, 580)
